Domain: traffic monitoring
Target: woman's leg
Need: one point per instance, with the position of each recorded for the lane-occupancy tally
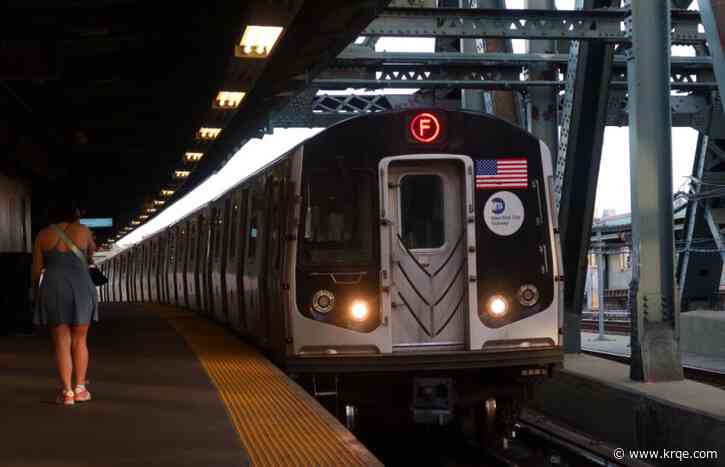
(80, 352)
(62, 349)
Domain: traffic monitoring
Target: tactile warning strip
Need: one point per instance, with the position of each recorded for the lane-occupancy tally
(279, 424)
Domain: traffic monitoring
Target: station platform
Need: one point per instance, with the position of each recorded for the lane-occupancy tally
(619, 346)
(596, 396)
(169, 389)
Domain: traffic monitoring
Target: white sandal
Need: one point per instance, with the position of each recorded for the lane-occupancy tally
(66, 397)
(82, 394)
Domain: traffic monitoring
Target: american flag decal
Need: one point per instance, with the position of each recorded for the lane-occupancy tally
(501, 173)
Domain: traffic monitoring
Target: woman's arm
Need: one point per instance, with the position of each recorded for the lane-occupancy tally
(91, 249)
(38, 263)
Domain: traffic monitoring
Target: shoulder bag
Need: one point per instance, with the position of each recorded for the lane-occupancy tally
(97, 277)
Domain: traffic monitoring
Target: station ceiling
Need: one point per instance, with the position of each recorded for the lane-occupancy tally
(103, 98)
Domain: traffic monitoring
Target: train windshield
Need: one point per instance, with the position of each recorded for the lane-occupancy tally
(338, 217)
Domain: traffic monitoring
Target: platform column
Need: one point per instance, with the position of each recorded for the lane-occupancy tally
(655, 341)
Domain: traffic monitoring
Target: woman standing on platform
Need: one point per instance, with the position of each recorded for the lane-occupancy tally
(66, 298)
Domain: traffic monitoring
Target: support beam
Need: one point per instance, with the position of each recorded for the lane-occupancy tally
(584, 24)
(542, 103)
(713, 20)
(698, 272)
(655, 341)
(577, 168)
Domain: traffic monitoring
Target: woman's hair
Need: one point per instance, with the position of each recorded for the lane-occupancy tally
(63, 211)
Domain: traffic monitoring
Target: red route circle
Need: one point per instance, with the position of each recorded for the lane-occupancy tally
(425, 123)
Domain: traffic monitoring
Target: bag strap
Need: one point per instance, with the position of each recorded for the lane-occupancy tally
(69, 243)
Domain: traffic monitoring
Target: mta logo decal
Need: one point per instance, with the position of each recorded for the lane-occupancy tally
(498, 206)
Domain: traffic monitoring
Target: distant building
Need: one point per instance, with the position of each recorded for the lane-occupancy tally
(616, 237)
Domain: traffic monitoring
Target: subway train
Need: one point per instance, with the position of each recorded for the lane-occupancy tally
(413, 249)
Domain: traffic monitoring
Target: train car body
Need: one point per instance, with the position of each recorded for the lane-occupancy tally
(415, 245)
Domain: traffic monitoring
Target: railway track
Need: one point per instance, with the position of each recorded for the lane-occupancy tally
(614, 327)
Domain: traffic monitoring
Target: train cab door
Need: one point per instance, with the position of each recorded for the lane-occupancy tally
(426, 238)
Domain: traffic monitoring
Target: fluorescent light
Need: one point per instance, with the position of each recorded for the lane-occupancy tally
(229, 99)
(209, 133)
(165, 193)
(181, 173)
(258, 41)
(193, 156)
(143, 217)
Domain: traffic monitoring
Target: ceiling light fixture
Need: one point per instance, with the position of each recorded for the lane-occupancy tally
(193, 156)
(258, 41)
(209, 133)
(181, 173)
(166, 193)
(228, 99)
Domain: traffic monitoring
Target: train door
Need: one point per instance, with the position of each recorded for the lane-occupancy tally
(275, 253)
(210, 245)
(117, 277)
(423, 245)
(217, 260)
(192, 293)
(130, 296)
(153, 270)
(232, 273)
(164, 258)
(147, 272)
(143, 273)
(123, 282)
(110, 274)
(253, 258)
(171, 266)
(205, 221)
(102, 289)
(180, 269)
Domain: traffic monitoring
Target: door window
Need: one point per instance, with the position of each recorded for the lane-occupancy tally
(422, 221)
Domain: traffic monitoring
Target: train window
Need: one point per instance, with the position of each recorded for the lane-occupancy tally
(252, 242)
(421, 211)
(338, 225)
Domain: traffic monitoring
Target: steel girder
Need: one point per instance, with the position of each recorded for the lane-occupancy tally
(586, 24)
(699, 266)
(324, 109)
(655, 311)
(577, 167)
(713, 19)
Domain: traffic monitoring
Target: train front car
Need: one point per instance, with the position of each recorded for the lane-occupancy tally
(426, 253)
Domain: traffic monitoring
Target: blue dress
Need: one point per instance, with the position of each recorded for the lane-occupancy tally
(66, 294)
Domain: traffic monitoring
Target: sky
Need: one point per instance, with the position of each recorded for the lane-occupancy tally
(613, 189)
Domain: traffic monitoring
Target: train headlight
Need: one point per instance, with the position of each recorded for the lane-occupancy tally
(323, 301)
(359, 311)
(497, 306)
(528, 295)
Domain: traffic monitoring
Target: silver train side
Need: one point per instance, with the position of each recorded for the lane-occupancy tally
(394, 248)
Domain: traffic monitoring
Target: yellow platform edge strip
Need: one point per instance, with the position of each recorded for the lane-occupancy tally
(278, 422)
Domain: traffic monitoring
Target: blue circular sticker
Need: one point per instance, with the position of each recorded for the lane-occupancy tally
(504, 213)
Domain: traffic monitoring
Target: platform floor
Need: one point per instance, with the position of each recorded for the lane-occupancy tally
(619, 345)
(170, 389)
(692, 395)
